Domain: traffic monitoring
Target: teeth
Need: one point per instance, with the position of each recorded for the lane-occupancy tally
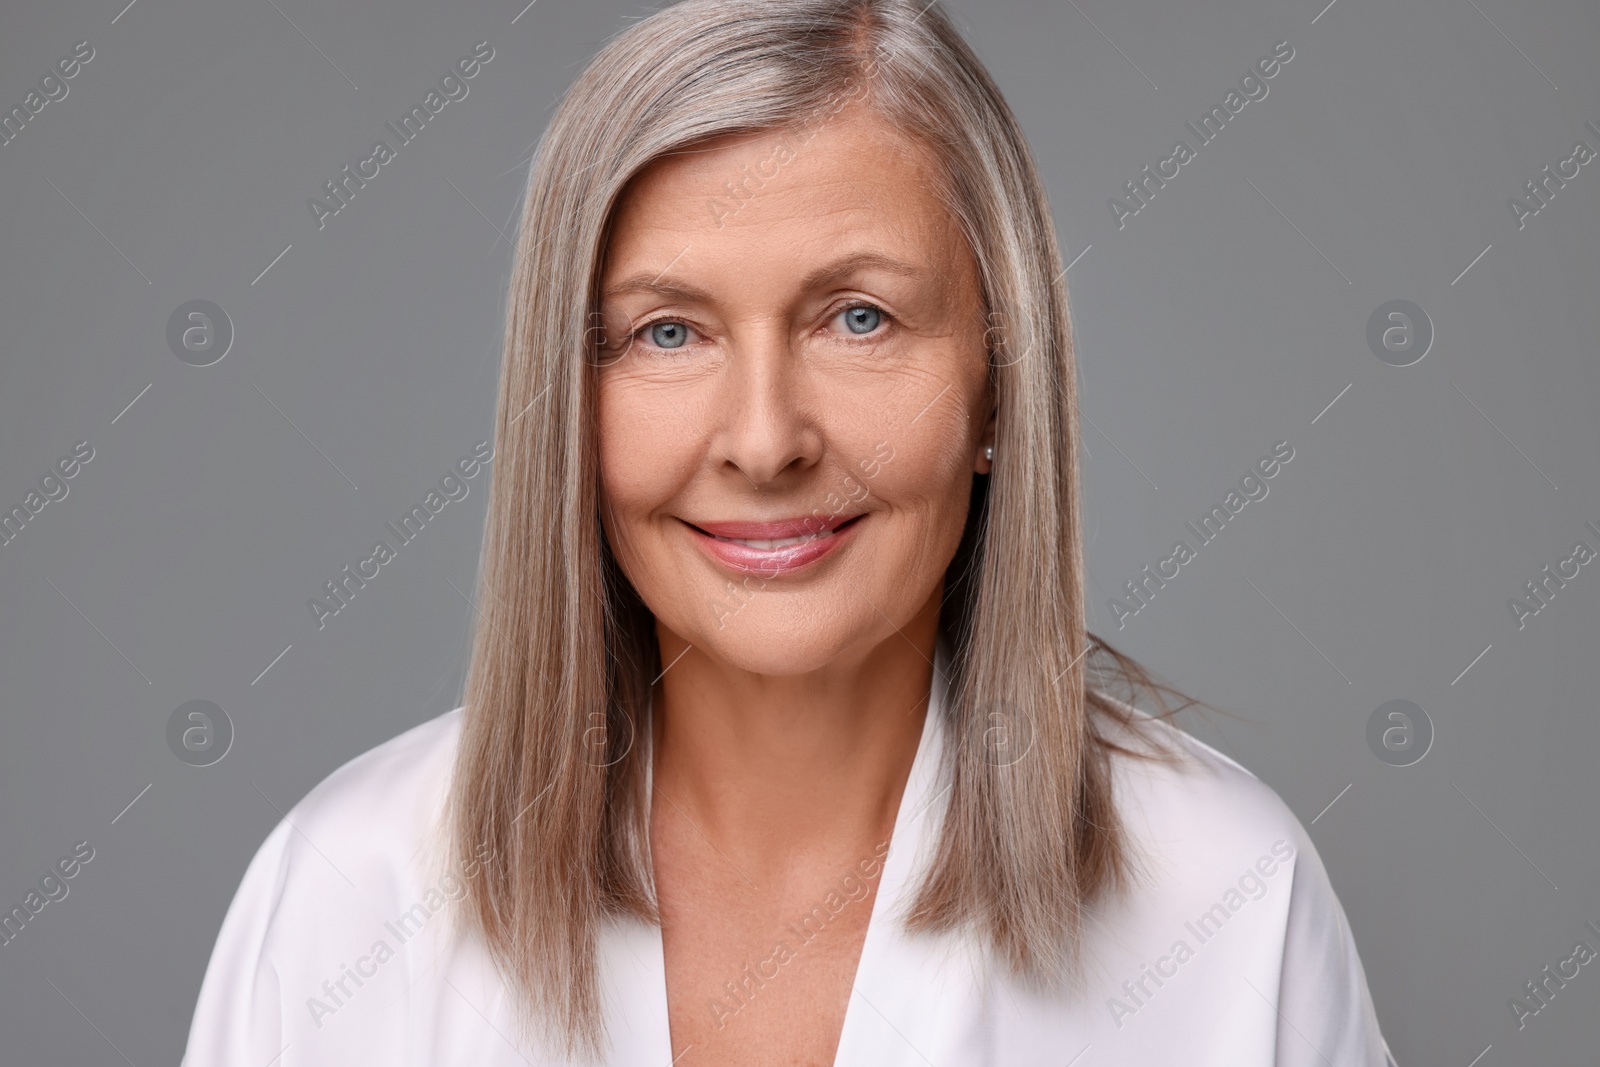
(769, 545)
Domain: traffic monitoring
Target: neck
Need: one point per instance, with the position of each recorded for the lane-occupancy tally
(780, 772)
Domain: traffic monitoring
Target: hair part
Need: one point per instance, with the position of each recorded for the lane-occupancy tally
(551, 770)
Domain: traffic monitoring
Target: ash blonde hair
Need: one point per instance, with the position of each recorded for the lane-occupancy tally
(548, 774)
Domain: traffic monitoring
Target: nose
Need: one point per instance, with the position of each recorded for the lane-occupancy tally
(766, 415)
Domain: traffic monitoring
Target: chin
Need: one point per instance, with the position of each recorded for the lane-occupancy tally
(780, 639)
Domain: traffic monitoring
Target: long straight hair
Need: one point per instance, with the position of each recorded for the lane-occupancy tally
(551, 771)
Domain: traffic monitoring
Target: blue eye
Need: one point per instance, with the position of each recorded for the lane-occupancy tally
(669, 334)
(862, 318)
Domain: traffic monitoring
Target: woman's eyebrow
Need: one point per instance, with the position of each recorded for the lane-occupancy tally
(645, 282)
(864, 260)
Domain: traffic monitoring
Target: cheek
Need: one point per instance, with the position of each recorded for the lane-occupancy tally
(921, 473)
(912, 441)
(644, 456)
(934, 493)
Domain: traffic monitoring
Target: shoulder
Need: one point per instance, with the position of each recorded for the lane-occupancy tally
(366, 835)
(1201, 829)
(384, 802)
(1194, 794)
(386, 785)
(357, 850)
(1227, 888)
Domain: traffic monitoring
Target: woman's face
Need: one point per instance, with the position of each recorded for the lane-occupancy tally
(793, 392)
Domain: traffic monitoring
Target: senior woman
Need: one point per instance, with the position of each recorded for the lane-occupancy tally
(781, 741)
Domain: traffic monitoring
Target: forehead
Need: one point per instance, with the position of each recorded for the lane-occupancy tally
(853, 178)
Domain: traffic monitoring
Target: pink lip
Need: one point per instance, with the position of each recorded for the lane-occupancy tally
(821, 538)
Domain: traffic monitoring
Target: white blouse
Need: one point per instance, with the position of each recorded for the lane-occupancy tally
(341, 948)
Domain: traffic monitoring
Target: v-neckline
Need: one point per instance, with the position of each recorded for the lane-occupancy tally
(634, 964)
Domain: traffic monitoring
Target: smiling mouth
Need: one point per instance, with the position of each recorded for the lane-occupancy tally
(769, 544)
(773, 548)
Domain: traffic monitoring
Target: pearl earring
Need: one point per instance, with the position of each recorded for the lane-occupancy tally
(988, 453)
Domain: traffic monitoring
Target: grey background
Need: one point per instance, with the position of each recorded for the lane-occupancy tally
(1222, 319)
